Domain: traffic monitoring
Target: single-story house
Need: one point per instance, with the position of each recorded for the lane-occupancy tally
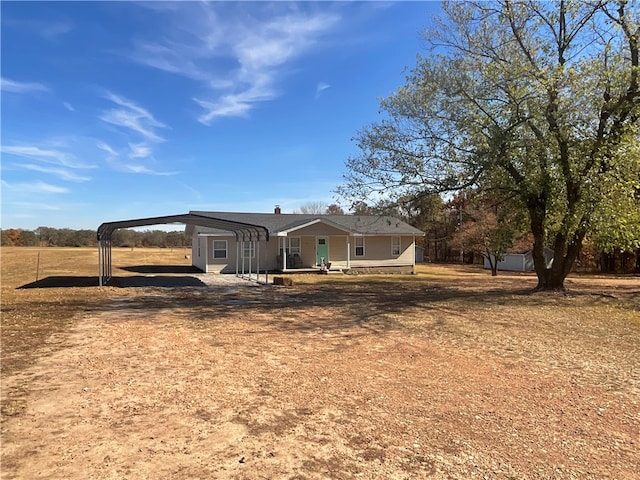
(306, 241)
(520, 262)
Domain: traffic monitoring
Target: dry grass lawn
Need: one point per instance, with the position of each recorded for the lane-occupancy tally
(447, 374)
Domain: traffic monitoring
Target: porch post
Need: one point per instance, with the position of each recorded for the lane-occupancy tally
(206, 254)
(413, 267)
(284, 253)
(348, 251)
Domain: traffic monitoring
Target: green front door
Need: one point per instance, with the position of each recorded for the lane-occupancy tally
(322, 250)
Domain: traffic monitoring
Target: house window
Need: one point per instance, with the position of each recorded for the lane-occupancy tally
(219, 249)
(395, 246)
(294, 245)
(359, 246)
(249, 250)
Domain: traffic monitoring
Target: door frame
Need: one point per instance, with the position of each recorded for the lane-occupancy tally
(326, 238)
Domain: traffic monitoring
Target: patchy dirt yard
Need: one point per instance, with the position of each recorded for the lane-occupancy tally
(448, 374)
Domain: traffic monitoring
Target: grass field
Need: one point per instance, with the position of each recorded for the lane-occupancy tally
(448, 373)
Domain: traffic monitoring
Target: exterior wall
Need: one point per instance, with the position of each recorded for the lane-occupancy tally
(521, 262)
(222, 265)
(337, 248)
(266, 254)
(377, 253)
(513, 262)
(308, 251)
(198, 248)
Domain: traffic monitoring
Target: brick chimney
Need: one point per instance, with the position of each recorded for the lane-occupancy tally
(277, 210)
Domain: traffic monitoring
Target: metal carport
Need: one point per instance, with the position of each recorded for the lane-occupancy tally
(243, 232)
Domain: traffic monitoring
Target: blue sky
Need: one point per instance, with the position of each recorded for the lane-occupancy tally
(118, 110)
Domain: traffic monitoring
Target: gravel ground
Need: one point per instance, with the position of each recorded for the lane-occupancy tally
(366, 379)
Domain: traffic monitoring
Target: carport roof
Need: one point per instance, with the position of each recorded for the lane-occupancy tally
(240, 228)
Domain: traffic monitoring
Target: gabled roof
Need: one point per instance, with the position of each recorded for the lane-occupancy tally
(289, 222)
(307, 223)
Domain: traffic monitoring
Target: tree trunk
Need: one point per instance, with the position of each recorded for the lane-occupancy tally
(493, 263)
(546, 281)
(564, 256)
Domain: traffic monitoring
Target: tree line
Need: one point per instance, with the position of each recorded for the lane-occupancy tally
(67, 237)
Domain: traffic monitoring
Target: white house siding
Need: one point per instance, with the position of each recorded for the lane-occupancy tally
(198, 252)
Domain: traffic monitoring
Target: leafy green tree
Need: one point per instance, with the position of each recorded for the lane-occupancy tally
(537, 101)
(488, 227)
(175, 239)
(28, 238)
(617, 218)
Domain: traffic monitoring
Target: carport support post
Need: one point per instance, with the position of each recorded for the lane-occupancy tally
(258, 259)
(99, 263)
(237, 255)
(242, 252)
(250, 252)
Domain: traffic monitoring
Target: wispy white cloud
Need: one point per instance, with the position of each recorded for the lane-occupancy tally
(196, 193)
(107, 148)
(13, 86)
(55, 29)
(35, 187)
(48, 29)
(46, 155)
(132, 168)
(31, 151)
(131, 116)
(68, 106)
(139, 150)
(119, 161)
(240, 58)
(321, 87)
(59, 172)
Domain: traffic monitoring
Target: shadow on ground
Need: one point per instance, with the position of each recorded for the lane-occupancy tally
(177, 269)
(122, 282)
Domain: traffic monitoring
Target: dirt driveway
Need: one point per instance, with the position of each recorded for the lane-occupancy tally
(344, 382)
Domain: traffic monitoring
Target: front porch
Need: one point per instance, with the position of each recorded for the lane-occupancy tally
(334, 269)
